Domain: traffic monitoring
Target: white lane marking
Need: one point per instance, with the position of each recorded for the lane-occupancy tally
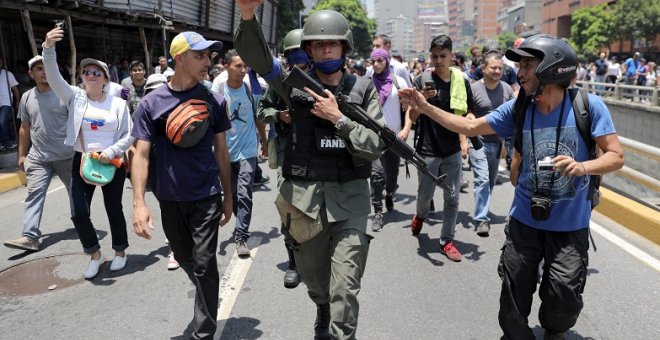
(51, 191)
(629, 248)
(232, 281)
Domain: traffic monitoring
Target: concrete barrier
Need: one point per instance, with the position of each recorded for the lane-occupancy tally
(12, 180)
(634, 216)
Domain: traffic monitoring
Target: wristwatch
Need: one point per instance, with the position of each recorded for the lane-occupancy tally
(341, 122)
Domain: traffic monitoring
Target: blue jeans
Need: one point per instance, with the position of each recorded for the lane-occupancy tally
(81, 200)
(450, 165)
(485, 163)
(6, 133)
(39, 175)
(242, 177)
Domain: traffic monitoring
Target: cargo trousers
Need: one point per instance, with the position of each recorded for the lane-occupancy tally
(331, 265)
(564, 277)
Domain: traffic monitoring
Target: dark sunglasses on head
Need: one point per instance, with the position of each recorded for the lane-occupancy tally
(94, 73)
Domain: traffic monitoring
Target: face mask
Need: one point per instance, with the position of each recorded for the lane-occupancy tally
(298, 57)
(330, 66)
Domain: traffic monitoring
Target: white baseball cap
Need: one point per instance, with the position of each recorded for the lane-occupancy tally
(34, 60)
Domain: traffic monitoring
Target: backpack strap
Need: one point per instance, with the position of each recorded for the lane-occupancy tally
(519, 113)
(580, 101)
(249, 94)
(582, 119)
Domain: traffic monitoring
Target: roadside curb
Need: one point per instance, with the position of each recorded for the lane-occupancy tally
(11, 181)
(630, 214)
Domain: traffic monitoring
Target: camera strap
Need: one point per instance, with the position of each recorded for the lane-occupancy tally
(561, 116)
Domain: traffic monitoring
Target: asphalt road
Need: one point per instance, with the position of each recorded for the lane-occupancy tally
(410, 290)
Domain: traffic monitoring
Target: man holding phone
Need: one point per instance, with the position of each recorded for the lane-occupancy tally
(445, 88)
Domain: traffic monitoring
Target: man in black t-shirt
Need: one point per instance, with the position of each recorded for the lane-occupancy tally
(442, 149)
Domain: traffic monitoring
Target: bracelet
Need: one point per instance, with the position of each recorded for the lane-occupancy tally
(583, 168)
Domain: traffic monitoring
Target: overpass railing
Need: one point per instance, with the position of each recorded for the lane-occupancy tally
(640, 94)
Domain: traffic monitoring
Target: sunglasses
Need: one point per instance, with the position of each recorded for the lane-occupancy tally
(94, 73)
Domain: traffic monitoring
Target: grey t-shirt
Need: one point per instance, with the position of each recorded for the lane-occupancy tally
(486, 100)
(47, 116)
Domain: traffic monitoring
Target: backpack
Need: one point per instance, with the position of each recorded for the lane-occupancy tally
(580, 103)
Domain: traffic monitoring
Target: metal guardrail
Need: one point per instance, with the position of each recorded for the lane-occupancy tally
(640, 94)
(644, 150)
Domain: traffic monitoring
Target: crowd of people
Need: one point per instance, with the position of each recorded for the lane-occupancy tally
(332, 170)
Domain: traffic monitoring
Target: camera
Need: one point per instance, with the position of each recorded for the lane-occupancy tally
(546, 165)
(59, 24)
(541, 206)
(429, 85)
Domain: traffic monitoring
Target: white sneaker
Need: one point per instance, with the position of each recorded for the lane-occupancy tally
(118, 263)
(93, 267)
(172, 263)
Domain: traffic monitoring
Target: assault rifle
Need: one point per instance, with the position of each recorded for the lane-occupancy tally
(299, 79)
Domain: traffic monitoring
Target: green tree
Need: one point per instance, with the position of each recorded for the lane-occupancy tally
(590, 30)
(362, 27)
(288, 16)
(506, 40)
(636, 20)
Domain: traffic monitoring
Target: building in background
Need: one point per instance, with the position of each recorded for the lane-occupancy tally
(556, 15)
(120, 29)
(460, 16)
(522, 18)
(385, 10)
(400, 31)
(432, 20)
(486, 27)
(425, 29)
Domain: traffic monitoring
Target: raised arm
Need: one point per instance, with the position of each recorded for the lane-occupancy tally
(61, 88)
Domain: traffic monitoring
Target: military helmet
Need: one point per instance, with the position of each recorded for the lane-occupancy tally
(292, 39)
(558, 60)
(359, 65)
(327, 25)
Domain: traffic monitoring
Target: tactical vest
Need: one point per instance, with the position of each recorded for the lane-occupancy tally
(314, 151)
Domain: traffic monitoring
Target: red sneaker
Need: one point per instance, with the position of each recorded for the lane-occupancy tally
(449, 250)
(416, 225)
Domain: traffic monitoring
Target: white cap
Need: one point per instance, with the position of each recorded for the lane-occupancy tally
(34, 60)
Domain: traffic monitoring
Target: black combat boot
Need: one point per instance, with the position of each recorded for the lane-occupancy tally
(322, 323)
(291, 276)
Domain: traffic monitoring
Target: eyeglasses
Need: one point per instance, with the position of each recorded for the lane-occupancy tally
(378, 60)
(94, 73)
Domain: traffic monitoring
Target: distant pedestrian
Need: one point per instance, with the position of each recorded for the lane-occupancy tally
(193, 184)
(613, 70)
(8, 105)
(162, 67)
(97, 123)
(133, 86)
(41, 151)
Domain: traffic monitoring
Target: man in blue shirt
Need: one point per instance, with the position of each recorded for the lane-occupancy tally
(243, 145)
(188, 180)
(630, 66)
(557, 231)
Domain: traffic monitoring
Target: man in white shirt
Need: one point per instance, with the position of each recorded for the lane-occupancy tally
(8, 97)
(162, 66)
